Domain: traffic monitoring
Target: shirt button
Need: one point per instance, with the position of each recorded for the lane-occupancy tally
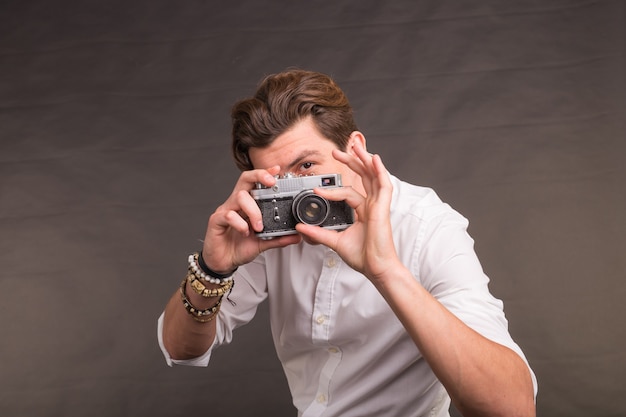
(331, 262)
(333, 350)
(321, 398)
(320, 319)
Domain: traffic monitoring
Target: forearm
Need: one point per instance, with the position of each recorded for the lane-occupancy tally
(184, 337)
(483, 378)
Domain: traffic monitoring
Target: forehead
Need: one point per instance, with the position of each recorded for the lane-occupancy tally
(292, 147)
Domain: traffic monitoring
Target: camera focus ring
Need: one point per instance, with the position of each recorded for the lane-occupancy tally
(310, 208)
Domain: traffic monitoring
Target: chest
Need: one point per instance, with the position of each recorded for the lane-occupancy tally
(317, 300)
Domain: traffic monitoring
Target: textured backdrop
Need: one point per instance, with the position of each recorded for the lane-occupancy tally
(114, 135)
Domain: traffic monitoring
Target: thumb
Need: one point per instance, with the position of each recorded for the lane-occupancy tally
(318, 235)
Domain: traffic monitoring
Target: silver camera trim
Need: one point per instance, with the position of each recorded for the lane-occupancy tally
(289, 185)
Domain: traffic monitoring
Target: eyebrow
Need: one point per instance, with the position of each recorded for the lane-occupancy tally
(302, 156)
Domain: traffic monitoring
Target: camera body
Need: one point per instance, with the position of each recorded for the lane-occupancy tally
(292, 200)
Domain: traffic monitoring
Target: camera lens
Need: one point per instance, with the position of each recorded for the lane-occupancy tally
(310, 208)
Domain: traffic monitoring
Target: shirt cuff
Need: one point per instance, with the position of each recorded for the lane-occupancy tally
(199, 361)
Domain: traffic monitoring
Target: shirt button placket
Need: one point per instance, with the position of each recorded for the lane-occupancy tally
(322, 324)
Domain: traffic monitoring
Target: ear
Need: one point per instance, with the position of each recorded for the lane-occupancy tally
(355, 137)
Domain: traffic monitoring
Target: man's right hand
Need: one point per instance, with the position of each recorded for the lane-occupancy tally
(230, 238)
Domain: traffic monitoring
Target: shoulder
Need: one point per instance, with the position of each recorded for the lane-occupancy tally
(427, 231)
(419, 203)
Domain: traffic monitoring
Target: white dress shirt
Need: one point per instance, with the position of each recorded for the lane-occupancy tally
(343, 350)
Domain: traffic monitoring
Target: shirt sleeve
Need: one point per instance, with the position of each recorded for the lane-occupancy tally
(452, 273)
(448, 267)
(237, 309)
(199, 361)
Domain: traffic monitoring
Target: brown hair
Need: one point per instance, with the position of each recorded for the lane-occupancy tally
(283, 99)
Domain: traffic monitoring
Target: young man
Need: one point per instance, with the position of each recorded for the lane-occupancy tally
(390, 317)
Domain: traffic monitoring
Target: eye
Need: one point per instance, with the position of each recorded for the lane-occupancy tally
(306, 166)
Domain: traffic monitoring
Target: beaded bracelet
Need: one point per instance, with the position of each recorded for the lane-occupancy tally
(202, 316)
(202, 271)
(201, 289)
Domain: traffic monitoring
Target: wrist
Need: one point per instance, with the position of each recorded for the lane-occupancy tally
(201, 309)
(200, 268)
(202, 290)
(391, 275)
(212, 271)
(196, 296)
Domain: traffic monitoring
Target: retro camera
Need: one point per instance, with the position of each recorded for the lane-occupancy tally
(291, 201)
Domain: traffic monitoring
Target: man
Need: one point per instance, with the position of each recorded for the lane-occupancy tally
(390, 317)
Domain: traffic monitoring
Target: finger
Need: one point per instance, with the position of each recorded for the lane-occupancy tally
(240, 200)
(351, 161)
(380, 170)
(374, 167)
(250, 209)
(347, 194)
(278, 242)
(231, 219)
(364, 156)
(319, 235)
(359, 161)
(248, 179)
(377, 175)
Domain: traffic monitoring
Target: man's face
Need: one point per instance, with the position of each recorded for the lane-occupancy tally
(302, 150)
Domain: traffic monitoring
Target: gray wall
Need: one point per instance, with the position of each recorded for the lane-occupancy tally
(114, 135)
